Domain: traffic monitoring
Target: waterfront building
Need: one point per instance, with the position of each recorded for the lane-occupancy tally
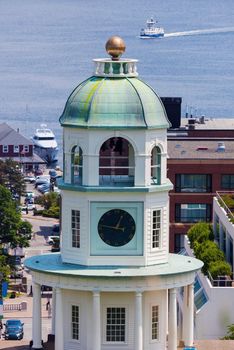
(17, 147)
(115, 284)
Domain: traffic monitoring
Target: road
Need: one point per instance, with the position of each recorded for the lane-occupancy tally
(42, 228)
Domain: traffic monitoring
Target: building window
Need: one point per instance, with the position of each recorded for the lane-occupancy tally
(115, 324)
(155, 322)
(156, 228)
(193, 213)
(16, 148)
(75, 221)
(193, 183)
(75, 322)
(227, 182)
(76, 165)
(5, 148)
(179, 242)
(156, 166)
(26, 149)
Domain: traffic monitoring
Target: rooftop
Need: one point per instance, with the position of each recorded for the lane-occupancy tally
(204, 149)
(52, 263)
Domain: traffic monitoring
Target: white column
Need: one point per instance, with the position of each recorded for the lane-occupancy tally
(138, 321)
(59, 321)
(172, 331)
(53, 312)
(185, 302)
(36, 316)
(96, 321)
(189, 317)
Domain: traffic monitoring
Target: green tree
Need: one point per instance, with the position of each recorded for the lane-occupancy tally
(200, 232)
(4, 268)
(25, 229)
(10, 221)
(208, 252)
(11, 177)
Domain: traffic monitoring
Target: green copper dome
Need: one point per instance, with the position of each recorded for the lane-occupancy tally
(114, 102)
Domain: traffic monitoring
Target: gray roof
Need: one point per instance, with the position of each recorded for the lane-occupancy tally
(211, 123)
(200, 149)
(9, 136)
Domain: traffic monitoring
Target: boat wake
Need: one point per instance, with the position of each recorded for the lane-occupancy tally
(201, 31)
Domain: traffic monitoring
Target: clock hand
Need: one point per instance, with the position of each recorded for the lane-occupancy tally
(114, 227)
(118, 223)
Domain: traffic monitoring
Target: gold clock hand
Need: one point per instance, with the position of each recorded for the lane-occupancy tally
(118, 223)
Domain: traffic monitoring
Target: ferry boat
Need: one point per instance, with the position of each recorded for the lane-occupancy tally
(151, 31)
(45, 144)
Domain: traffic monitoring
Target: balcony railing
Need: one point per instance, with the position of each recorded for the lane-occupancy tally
(221, 281)
(226, 201)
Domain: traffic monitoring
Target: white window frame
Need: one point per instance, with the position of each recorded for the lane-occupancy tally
(5, 149)
(75, 231)
(105, 325)
(26, 148)
(71, 307)
(16, 148)
(151, 323)
(155, 228)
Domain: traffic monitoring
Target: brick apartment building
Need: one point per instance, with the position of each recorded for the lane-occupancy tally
(200, 162)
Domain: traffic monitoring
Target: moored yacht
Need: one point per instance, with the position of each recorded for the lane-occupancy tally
(45, 144)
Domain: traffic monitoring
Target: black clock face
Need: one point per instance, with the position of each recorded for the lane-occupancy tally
(116, 227)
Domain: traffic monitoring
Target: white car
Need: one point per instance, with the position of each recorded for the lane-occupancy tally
(50, 239)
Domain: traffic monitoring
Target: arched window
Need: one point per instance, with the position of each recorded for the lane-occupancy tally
(156, 166)
(116, 163)
(76, 165)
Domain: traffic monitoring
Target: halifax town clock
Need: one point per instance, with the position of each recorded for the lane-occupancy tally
(116, 227)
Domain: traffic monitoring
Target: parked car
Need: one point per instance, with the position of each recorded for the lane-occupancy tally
(30, 178)
(44, 187)
(43, 179)
(50, 239)
(14, 329)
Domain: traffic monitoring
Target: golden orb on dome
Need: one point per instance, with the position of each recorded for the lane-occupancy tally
(115, 47)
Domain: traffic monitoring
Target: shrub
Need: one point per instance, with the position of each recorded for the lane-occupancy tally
(230, 333)
(219, 268)
(208, 252)
(200, 232)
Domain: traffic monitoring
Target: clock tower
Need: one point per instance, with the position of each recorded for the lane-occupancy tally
(114, 281)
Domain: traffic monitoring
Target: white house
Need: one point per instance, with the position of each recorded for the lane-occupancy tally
(114, 282)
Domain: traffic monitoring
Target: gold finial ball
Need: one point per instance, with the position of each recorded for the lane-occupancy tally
(115, 47)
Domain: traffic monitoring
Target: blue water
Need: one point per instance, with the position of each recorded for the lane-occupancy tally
(47, 47)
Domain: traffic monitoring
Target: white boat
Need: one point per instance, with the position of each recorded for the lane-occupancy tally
(151, 31)
(45, 144)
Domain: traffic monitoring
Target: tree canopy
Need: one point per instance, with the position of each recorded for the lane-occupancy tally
(11, 177)
(10, 221)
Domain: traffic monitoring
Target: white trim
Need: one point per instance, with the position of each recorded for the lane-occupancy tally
(153, 249)
(104, 341)
(153, 341)
(5, 148)
(76, 341)
(16, 148)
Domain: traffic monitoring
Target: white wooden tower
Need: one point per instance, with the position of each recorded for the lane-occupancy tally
(114, 281)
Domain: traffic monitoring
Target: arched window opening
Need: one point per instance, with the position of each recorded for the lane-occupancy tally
(156, 166)
(76, 165)
(116, 163)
